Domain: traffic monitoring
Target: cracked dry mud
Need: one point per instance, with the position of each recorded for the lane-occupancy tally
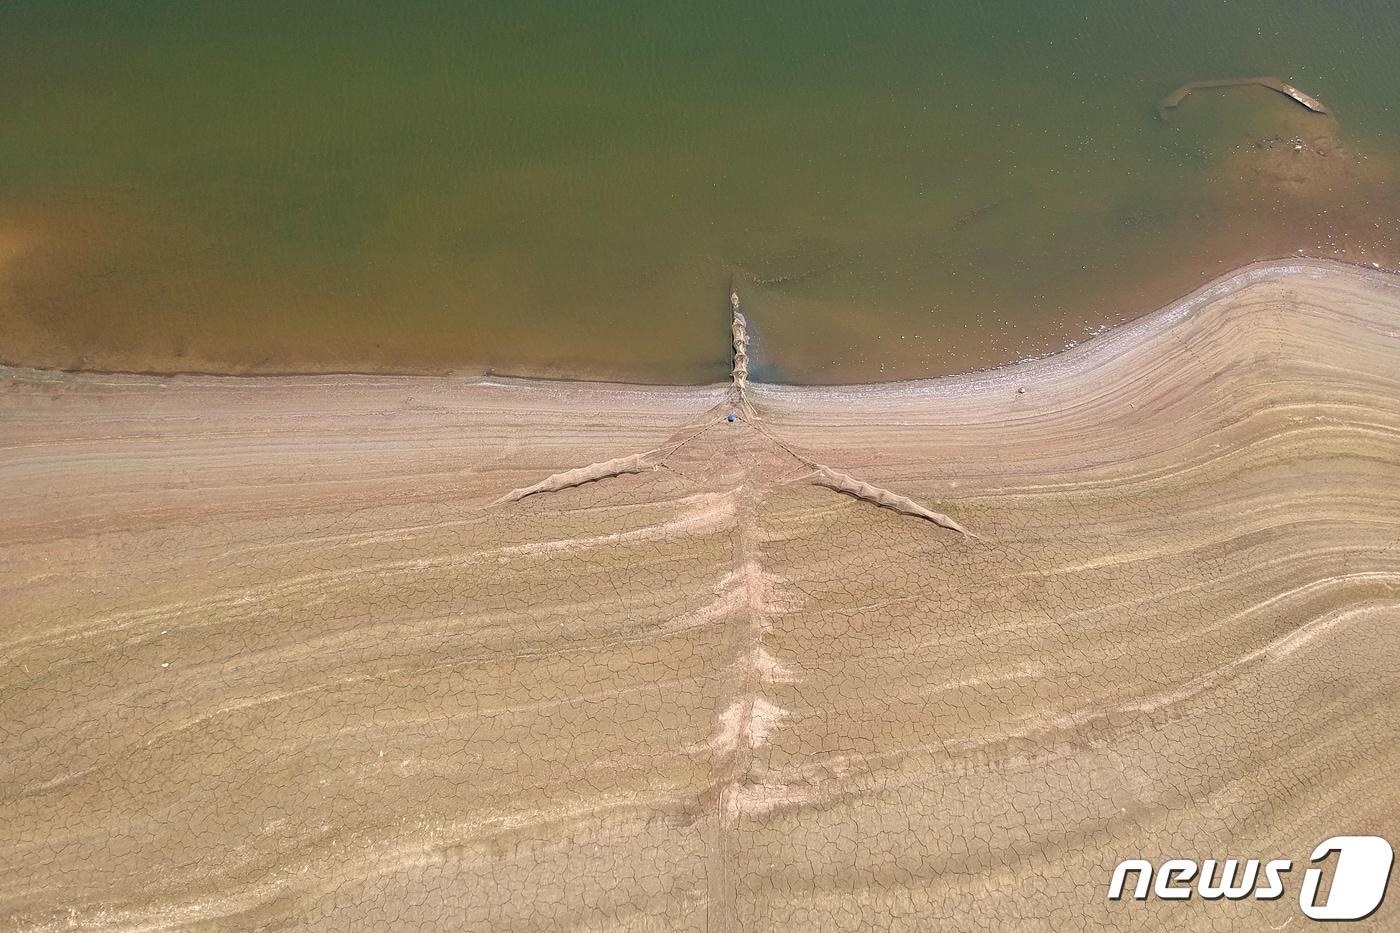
(274, 655)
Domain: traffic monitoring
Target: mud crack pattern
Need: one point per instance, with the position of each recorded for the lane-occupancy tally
(273, 653)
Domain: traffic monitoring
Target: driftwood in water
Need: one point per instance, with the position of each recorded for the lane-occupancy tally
(1274, 84)
(739, 333)
(825, 476)
(976, 214)
(738, 396)
(636, 463)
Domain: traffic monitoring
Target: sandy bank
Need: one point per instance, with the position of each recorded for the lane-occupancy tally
(271, 652)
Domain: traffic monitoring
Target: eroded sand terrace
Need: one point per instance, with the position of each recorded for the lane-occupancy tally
(273, 654)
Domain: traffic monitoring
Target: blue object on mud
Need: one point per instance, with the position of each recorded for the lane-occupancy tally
(730, 418)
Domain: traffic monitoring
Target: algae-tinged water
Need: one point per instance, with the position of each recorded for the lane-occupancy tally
(565, 189)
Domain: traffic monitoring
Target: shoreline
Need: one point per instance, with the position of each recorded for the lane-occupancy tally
(1139, 327)
(1266, 267)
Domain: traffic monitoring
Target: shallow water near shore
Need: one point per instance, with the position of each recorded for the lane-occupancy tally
(899, 192)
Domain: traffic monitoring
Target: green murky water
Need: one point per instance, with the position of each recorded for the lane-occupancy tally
(899, 189)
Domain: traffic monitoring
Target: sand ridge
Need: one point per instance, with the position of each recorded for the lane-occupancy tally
(273, 653)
